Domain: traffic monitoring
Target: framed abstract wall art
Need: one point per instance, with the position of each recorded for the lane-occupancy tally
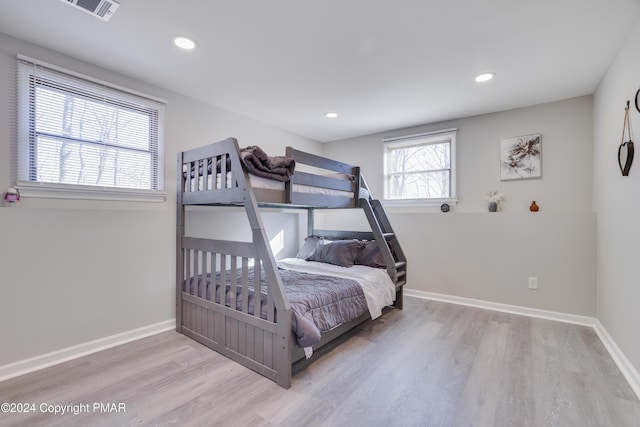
(521, 157)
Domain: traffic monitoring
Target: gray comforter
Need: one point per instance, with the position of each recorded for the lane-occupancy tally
(255, 161)
(318, 303)
(259, 163)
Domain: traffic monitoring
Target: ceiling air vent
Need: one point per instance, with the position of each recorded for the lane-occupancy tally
(102, 9)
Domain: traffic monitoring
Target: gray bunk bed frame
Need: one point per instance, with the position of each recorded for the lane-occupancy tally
(266, 346)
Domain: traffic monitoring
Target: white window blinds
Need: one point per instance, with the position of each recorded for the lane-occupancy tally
(78, 133)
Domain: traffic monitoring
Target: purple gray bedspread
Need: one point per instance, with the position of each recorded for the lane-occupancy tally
(318, 303)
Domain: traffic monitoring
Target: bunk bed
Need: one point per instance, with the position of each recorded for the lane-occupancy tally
(218, 281)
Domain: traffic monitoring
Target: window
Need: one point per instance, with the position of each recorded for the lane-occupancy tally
(420, 167)
(82, 138)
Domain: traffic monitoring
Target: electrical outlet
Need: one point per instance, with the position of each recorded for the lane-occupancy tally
(533, 283)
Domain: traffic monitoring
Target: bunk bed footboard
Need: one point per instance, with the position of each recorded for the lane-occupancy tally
(218, 313)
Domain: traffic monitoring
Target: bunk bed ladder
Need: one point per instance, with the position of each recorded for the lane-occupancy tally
(388, 243)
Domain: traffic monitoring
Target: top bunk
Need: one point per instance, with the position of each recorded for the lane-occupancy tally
(224, 174)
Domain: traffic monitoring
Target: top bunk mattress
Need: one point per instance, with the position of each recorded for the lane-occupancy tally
(273, 185)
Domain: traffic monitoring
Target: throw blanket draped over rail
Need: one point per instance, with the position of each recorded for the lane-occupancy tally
(256, 162)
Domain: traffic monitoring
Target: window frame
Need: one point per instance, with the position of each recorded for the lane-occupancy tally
(421, 139)
(26, 181)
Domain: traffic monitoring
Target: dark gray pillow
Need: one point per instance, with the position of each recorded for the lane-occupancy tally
(371, 256)
(340, 252)
(308, 247)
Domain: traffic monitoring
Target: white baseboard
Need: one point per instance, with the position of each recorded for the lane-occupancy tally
(627, 369)
(506, 308)
(59, 356)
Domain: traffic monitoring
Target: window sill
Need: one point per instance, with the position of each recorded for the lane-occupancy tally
(417, 205)
(451, 201)
(53, 191)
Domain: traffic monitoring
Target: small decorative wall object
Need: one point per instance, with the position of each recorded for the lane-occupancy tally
(495, 201)
(638, 101)
(521, 157)
(625, 145)
(12, 195)
(444, 207)
(534, 207)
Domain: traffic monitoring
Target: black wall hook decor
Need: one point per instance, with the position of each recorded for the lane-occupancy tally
(638, 100)
(626, 128)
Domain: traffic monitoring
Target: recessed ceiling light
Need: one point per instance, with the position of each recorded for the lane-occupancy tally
(484, 77)
(184, 42)
(331, 115)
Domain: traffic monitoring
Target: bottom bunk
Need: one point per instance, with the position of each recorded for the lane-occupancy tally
(219, 307)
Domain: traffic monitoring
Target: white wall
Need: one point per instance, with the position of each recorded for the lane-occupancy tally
(475, 254)
(76, 271)
(617, 202)
(286, 224)
(567, 155)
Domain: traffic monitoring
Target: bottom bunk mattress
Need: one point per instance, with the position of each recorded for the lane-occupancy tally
(321, 296)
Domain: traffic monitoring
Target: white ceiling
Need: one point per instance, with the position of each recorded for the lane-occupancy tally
(380, 64)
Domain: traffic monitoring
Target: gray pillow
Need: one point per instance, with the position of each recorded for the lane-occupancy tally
(371, 256)
(308, 247)
(340, 252)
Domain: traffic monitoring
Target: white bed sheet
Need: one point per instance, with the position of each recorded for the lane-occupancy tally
(379, 290)
(271, 184)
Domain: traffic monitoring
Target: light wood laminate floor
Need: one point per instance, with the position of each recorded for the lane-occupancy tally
(431, 364)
